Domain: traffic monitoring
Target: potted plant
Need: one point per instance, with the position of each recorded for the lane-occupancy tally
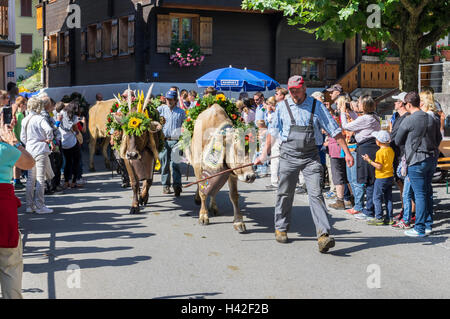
(375, 54)
(444, 51)
(426, 56)
(185, 54)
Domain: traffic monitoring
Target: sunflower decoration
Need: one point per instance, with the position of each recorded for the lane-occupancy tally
(202, 104)
(136, 112)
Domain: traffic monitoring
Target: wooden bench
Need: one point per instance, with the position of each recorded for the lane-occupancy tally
(444, 164)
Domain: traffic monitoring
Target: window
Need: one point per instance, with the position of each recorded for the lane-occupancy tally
(182, 29)
(26, 41)
(311, 69)
(25, 8)
(126, 35)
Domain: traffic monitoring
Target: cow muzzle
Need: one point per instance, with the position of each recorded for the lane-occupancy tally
(132, 155)
(247, 177)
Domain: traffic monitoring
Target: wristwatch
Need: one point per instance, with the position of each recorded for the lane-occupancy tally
(17, 145)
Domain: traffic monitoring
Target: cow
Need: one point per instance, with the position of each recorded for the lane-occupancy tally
(97, 129)
(209, 126)
(140, 154)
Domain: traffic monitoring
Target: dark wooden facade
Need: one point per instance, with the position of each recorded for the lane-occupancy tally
(260, 41)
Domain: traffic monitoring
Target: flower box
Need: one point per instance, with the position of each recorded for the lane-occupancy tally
(370, 58)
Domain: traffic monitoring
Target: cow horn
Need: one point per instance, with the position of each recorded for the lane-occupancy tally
(147, 98)
(155, 127)
(129, 97)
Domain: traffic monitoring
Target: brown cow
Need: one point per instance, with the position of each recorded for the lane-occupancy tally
(97, 129)
(140, 154)
(209, 125)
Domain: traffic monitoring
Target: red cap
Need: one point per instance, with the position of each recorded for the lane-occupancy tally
(295, 82)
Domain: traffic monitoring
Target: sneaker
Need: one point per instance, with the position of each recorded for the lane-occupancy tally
(166, 190)
(18, 186)
(376, 222)
(81, 181)
(401, 225)
(413, 233)
(352, 211)
(363, 216)
(399, 216)
(428, 231)
(30, 210)
(389, 221)
(271, 187)
(44, 210)
(300, 190)
(177, 190)
(330, 195)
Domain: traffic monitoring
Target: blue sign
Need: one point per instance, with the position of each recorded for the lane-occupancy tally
(10, 74)
(155, 74)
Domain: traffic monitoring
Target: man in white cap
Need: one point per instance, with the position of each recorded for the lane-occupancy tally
(400, 114)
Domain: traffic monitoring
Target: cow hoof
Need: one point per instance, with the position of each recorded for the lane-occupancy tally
(143, 202)
(203, 220)
(134, 210)
(240, 227)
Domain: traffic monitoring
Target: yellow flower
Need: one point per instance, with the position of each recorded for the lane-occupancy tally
(187, 112)
(134, 122)
(220, 97)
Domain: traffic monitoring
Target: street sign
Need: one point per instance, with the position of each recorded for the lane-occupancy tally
(10, 74)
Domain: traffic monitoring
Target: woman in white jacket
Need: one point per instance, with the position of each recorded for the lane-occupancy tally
(37, 135)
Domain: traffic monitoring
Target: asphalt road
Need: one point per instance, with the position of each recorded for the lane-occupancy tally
(92, 248)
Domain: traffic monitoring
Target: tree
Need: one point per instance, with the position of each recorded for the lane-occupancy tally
(411, 24)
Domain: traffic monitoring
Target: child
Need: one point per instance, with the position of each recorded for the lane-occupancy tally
(384, 178)
(262, 170)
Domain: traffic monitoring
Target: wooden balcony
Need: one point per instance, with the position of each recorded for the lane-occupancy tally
(367, 74)
(3, 19)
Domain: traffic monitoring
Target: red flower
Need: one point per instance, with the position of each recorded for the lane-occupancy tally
(197, 104)
(234, 116)
(188, 119)
(246, 138)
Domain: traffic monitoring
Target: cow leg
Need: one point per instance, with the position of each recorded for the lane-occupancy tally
(134, 181)
(238, 222)
(213, 206)
(143, 200)
(203, 217)
(197, 199)
(92, 144)
(105, 153)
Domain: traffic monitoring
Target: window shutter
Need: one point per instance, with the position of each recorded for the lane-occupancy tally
(46, 54)
(196, 30)
(164, 31)
(206, 35)
(331, 69)
(67, 46)
(131, 24)
(98, 43)
(83, 44)
(26, 42)
(114, 37)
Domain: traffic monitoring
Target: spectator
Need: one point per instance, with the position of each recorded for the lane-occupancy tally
(280, 94)
(210, 91)
(37, 135)
(70, 146)
(399, 150)
(12, 154)
(247, 112)
(82, 128)
(192, 98)
(99, 97)
(4, 99)
(243, 96)
(439, 111)
(384, 178)
(185, 102)
(13, 91)
(336, 90)
(420, 134)
(262, 170)
(364, 126)
(261, 112)
(19, 109)
(338, 165)
(275, 149)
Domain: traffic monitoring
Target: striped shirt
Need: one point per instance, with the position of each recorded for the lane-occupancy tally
(174, 120)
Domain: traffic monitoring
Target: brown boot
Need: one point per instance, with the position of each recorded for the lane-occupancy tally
(325, 242)
(281, 236)
(339, 204)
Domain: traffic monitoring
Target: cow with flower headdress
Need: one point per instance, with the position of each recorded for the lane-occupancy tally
(215, 139)
(138, 138)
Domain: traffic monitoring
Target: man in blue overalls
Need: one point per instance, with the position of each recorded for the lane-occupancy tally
(174, 118)
(298, 121)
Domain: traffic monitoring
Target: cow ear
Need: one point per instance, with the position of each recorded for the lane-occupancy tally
(155, 127)
(119, 119)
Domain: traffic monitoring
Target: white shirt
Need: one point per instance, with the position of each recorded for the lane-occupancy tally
(36, 133)
(68, 137)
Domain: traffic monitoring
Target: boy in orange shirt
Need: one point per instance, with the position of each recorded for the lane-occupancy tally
(384, 174)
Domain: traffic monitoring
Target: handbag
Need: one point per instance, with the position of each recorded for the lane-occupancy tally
(79, 137)
(9, 224)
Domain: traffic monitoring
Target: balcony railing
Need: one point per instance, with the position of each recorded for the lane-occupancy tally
(3, 19)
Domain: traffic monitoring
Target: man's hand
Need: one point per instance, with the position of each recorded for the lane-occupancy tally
(349, 160)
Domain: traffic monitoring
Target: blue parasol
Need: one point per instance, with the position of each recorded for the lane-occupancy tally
(231, 79)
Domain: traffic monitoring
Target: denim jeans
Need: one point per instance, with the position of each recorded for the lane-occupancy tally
(357, 189)
(421, 175)
(382, 192)
(167, 165)
(369, 210)
(407, 198)
(36, 183)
